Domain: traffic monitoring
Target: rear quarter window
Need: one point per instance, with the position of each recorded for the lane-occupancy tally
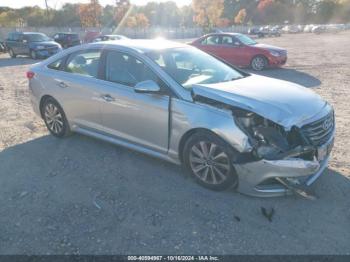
(57, 65)
(84, 63)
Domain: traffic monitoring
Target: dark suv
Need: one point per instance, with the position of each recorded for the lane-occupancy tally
(67, 39)
(36, 45)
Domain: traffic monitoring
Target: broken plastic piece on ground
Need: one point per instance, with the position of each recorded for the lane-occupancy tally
(266, 214)
(296, 189)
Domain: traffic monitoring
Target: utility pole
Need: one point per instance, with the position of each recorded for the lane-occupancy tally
(47, 11)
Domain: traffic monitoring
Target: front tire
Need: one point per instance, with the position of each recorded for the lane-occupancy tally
(55, 118)
(258, 63)
(11, 53)
(33, 55)
(209, 160)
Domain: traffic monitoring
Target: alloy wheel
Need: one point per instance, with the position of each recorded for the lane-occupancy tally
(53, 118)
(209, 163)
(258, 63)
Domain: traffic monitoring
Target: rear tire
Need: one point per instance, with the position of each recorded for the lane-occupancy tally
(209, 160)
(11, 53)
(258, 63)
(55, 118)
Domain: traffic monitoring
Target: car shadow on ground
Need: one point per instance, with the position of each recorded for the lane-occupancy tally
(291, 75)
(81, 195)
(6, 61)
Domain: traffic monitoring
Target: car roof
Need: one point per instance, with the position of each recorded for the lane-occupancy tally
(113, 35)
(67, 33)
(223, 33)
(33, 33)
(140, 45)
(25, 33)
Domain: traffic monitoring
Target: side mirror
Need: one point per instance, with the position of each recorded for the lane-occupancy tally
(237, 43)
(148, 86)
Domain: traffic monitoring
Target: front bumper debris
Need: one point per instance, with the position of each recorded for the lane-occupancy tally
(268, 178)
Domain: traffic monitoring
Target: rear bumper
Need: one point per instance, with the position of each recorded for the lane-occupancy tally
(34, 100)
(259, 178)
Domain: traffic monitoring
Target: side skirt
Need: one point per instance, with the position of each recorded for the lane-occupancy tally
(120, 142)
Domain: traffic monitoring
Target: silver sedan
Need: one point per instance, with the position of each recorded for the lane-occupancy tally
(262, 136)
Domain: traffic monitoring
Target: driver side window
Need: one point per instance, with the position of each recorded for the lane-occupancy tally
(127, 70)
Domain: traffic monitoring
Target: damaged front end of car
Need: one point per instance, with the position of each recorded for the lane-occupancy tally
(283, 160)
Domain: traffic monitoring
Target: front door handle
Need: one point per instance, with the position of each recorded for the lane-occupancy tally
(62, 84)
(108, 98)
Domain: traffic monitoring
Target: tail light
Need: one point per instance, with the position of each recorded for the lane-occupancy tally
(30, 74)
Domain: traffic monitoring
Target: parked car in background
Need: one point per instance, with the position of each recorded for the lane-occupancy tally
(308, 28)
(292, 29)
(256, 31)
(264, 136)
(36, 45)
(67, 39)
(275, 31)
(90, 36)
(241, 50)
(270, 31)
(318, 29)
(109, 37)
(2, 47)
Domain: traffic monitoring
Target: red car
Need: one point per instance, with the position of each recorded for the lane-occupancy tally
(241, 50)
(90, 36)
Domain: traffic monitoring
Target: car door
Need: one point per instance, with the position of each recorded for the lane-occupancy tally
(24, 45)
(16, 43)
(230, 50)
(140, 118)
(76, 86)
(242, 52)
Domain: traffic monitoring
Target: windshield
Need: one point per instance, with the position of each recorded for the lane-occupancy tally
(190, 66)
(246, 40)
(37, 37)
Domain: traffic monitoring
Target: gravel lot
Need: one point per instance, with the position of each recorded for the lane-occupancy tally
(82, 196)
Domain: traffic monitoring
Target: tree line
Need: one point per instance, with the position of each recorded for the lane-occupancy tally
(203, 13)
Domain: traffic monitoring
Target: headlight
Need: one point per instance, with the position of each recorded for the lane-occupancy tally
(274, 53)
(39, 47)
(267, 138)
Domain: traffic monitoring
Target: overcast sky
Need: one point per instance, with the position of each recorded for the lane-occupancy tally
(59, 3)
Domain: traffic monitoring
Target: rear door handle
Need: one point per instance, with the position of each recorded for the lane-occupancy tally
(62, 84)
(108, 98)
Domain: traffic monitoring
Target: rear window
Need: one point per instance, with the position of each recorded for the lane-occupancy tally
(84, 63)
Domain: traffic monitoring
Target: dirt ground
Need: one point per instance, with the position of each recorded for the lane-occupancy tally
(83, 196)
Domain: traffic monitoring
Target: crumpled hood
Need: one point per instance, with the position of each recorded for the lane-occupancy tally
(282, 102)
(269, 47)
